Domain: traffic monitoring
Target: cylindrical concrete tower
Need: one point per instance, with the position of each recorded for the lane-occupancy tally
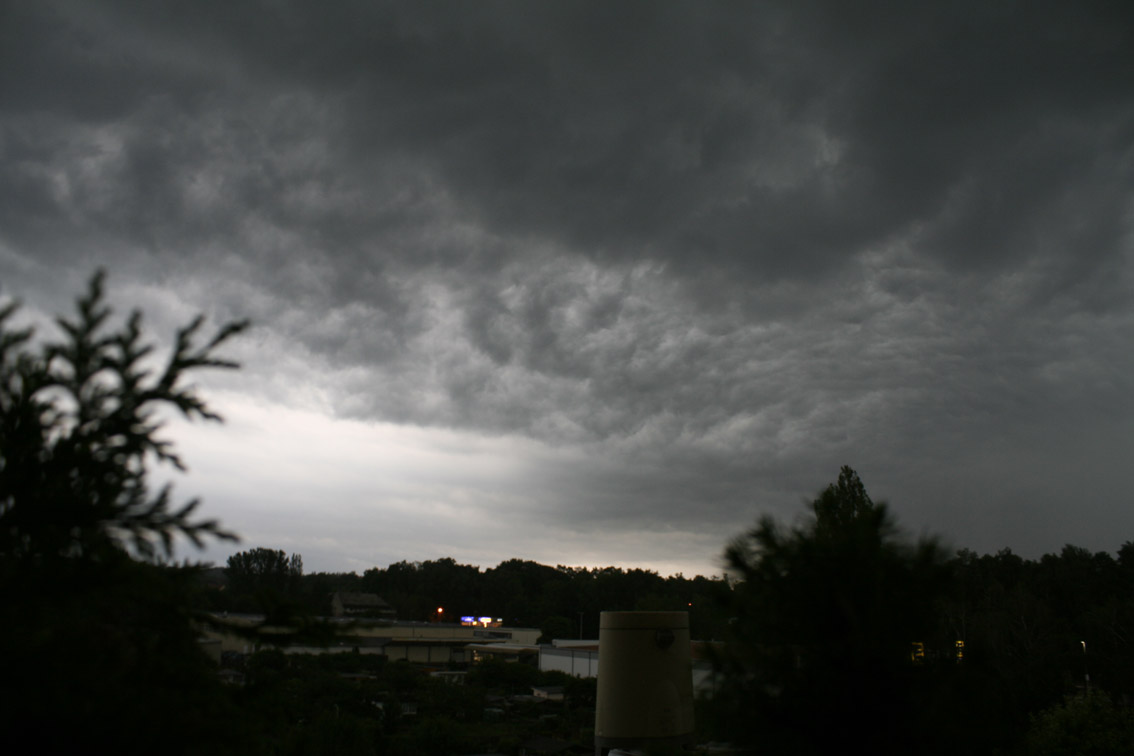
(645, 680)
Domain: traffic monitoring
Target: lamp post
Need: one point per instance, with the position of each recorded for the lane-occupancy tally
(1086, 672)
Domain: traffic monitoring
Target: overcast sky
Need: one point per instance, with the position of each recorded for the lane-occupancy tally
(601, 283)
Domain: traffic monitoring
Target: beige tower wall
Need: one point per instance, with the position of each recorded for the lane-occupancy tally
(645, 679)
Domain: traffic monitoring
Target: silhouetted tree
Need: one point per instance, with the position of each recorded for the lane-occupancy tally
(259, 570)
(99, 646)
(77, 426)
(825, 615)
(1089, 723)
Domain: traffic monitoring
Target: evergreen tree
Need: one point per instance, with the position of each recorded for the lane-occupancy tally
(101, 653)
(77, 427)
(260, 569)
(825, 615)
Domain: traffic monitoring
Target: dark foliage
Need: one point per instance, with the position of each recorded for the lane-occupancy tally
(825, 614)
(1083, 724)
(263, 575)
(100, 647)
(77, 425)
(565, 600)
(108, 660)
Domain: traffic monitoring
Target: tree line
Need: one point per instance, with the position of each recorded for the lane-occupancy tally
(564, 602)
(897, 647)
(894, 644)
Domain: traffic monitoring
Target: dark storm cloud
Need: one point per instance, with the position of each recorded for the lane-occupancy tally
(721, 247)
(757, 139)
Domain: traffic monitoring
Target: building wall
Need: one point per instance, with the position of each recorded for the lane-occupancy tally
(575, 662)
(367, 650)
(425, 653)
(522, 635)
(584, 663)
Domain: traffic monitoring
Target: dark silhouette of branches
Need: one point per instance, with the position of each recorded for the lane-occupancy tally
(77, 427)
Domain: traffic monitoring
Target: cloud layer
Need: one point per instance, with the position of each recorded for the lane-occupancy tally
(663, 266)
